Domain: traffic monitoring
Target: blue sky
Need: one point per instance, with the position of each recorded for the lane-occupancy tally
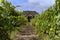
(32, 5)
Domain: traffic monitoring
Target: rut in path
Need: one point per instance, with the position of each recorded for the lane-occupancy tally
(26, 33)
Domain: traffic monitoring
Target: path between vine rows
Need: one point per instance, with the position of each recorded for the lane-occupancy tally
(26, 33)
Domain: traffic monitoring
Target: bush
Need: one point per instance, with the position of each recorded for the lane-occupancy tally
(10, 19)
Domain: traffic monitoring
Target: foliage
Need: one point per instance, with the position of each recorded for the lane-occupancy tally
(10, 19)
(47, 24)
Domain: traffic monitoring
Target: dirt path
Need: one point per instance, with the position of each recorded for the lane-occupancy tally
(26, 33)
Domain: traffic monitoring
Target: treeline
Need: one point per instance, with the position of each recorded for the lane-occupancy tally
(10, 19)
(47, 24)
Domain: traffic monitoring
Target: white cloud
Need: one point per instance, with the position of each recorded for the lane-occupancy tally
(35, 5)
(43, 2)
(33, 1)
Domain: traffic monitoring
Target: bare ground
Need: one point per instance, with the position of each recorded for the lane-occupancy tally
(26, 33)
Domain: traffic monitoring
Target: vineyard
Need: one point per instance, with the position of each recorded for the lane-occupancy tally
(46, 25)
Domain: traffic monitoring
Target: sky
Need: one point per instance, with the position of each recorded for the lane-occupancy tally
(32, 5)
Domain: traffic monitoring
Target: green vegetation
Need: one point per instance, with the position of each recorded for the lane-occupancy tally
(10, 20)
(47, 24)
